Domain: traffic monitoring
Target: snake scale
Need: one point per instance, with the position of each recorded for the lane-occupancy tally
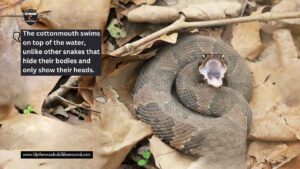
(209, 123)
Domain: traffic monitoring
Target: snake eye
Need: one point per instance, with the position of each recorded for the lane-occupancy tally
(222, 56)
(204, 56)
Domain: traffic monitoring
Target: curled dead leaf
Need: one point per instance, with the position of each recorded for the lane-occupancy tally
(196, 10)
(246, 38)
(270, 155)
(26, 90)
(110, 138)
(204, 11)
(287, 6)
(75, 17)
(153, 14)
(285, 46)
(276, 100)
(166, 157)
(172, 38)
(139, 2)
(276, 104)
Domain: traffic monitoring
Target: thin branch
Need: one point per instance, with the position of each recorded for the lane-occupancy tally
(244, 7)
(72, 81)
(74, 104)
(182, 24)
(72, 87)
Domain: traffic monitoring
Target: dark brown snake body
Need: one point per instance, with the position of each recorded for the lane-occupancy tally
(195, 118)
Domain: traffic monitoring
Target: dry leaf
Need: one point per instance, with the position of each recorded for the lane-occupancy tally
(7, 4)
(85, 88)
(274, 154)
(35, 132)
(276, 100)
(153, 14)
(295, 162)
(285, 46)
(276, 104)
(246, 38)
(172, 38)
(122, 80)
(211, 10)
(166, 157)
(282, 7)
(120, 73)
(30, 90)
(267, 63)
(110, 139)
(133, 30)
(139, 2)
(273, 56)
(7, 111)
(288, 6)
(192, 10)
(116, 121)
(70, 14)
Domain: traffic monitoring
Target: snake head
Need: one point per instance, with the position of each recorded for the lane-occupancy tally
(213, 68)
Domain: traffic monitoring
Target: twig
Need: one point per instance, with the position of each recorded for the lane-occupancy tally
(72, 81)
(244, 7)
(74, 104)
(72, 87)
(182, 24)
(71, 108)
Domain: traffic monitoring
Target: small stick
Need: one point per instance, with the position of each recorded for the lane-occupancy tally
(182, 24)
(72, 81)
(74, 104)
(244, 7)
(72, 87)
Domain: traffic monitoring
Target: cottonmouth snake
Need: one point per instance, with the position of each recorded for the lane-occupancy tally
(219, 131)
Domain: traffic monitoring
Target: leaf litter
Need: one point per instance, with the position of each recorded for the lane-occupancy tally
(274, 138)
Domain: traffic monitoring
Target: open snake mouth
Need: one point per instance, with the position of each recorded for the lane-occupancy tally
(213, 68)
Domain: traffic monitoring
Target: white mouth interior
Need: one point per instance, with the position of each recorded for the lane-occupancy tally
(213, 72)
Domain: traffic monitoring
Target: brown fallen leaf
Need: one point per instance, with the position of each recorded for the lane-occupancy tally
(4, 4)
(35, 132)
(8, 111)
(211, 10)
(276, 100)
(276, 104)
(35, 88)
(295, 162)
(273, 155)
(132, 29)
(246, 38)
(153, 14)
(120, 74)
(285, 46)
(172, 38)
(31, 90)
(92, 16)
(267, 62)
(85, 86)
(110, 139)
(281, 7)
(139, 2)
(117, 122)
(274, 56)
(166, 157)
(288, 6)
(122, 80)
(193, 10)
(124, 1)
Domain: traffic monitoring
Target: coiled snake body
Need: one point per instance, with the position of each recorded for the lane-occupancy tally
(195, 118)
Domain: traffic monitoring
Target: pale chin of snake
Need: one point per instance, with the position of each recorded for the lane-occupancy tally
(213, 71)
